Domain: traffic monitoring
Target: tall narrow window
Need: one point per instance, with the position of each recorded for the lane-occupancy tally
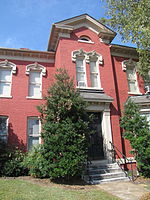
(33, 132)
(5, 82)
(3, 128)
(130, 67)
(6, 70)
(35, 72)
(80, 73)
(35, 84)
(132, 80)
(94, 74)
(94, 60)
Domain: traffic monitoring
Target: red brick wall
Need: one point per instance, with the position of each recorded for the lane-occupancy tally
(66, 46)
(18, 108)
(122, 92)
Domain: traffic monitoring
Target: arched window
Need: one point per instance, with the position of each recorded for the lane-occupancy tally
(85, 39)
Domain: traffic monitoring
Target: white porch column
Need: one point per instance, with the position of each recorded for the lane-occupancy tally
(106, 132)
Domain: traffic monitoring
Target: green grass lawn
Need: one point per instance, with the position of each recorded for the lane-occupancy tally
(16, 189)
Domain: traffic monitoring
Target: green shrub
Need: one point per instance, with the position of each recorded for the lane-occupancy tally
(3, 155)
(11, 161)
(36, 163)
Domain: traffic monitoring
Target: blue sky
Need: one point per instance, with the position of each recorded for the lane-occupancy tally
(27, 23)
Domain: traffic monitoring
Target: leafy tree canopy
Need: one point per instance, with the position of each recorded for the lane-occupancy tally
(136, 130)
(131, 18)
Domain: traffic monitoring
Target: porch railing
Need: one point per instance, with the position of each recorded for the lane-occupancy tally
(133, 175)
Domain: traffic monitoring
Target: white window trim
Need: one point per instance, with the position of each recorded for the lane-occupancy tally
(40, 128)
(80, 55)
(88, 56)
(35, 67)
(88, 40)
(98, 74)
(85, 77)
(125, 65)
(7, 120)
(34, 83)
(11, 66)
(8, 65)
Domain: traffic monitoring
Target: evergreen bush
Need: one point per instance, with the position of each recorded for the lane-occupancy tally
(137, 131)
(65, 130)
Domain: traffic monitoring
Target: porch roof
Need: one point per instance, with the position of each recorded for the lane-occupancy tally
(95, 95)
(141, 100)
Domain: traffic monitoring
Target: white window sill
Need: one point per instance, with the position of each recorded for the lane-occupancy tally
(34, 97)
(7, 97)
(135, 93)
(89, 42)
(90, 88)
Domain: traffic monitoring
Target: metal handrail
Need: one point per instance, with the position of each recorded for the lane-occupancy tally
(132, 178)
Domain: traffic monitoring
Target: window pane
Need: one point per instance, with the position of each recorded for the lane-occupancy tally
(32, 141)
(131, 74)
(80, 77)
(132, 80)
(33, 132)
(34, 90)
(93, 67)
(148, 117)
(35, 77)
(94, 80)
(5, 89)
(80, 66)
(132, 86)
(4, 138)
(79, 63)
(3, 125)
(33, 126)
(5, 75)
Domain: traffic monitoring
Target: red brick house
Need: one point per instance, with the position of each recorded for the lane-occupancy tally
(105, 74)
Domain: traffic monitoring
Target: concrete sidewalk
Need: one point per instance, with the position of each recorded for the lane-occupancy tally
(125, 190)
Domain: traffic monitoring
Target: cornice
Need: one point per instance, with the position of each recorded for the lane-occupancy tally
(57, 31)
(27, 55)
(123, 51)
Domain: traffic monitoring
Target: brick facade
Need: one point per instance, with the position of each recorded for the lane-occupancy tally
(65, 39)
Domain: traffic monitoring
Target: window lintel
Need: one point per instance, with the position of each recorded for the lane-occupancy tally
(128, 63)
(89, 56)
(94, 56)
(8, 65)
(35, 67)
(78, 54)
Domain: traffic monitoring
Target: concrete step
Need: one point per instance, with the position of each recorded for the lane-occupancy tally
(91, 171)
(107, 176)
(98, 172)
(103, 166)
(94, 182)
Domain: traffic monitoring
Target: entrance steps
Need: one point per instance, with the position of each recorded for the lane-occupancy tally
(101, 172)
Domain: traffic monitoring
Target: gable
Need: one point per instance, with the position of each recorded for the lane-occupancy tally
(64, 29)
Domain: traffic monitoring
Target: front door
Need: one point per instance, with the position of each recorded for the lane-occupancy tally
(95, 151)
